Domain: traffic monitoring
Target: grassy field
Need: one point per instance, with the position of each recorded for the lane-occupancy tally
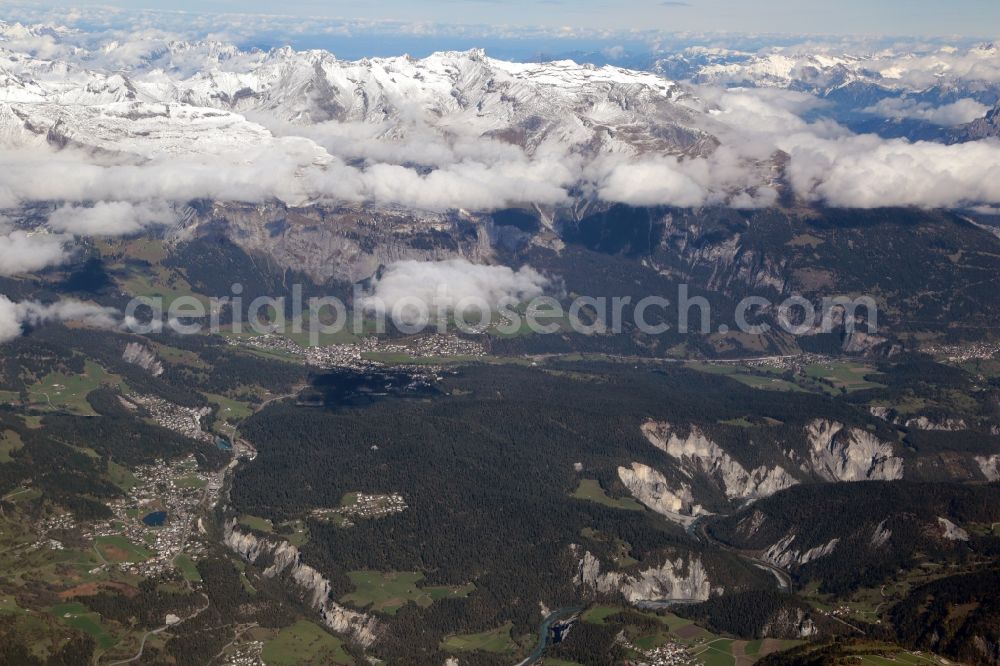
(22, 494)
(79, 617)
(907, 404)
(345, 336)
(299, 534)
(597, 614)
(191, 481)
(495, 640)
(176, 356)
(69, 392)
(591, 491)
(706, 647)
(121, 476)
(120, 549)
(59, 569)
(717, 652)
(304, 644)
(400, 358)
(734, 371)
(847, 376)
(165, 285)
(869, 652)
(388, 592)
(230, 410)
(767, 383)
(10, 441)
(831, 377)
(8, 606)
(256, 523)
(187, 568)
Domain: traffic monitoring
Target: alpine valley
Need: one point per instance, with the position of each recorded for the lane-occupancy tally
(587, 496)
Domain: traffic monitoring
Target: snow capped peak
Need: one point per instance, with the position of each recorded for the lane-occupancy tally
(456, 129)
(19, 32)
(304, 121)
(822, 71)
(15, 31)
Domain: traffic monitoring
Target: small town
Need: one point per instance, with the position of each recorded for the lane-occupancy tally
(668, 654)
(245, 654)
(783, 363)
(353, 355)
(440, 345)
(965, 352)
(364, 507)
(157, 511)
(182, 420)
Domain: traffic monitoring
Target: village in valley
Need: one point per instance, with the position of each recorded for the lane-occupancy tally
(357, 506)
(367, 352)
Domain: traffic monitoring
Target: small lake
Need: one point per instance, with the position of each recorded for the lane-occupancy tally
(155, 519)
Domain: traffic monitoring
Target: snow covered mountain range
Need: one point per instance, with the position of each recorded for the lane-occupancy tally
(169, 120)
(605, 108)
(894, 93)
(823, 70)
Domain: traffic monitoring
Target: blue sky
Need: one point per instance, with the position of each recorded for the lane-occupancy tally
(887, 17)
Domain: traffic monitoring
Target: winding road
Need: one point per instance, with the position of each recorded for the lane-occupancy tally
(152, 632)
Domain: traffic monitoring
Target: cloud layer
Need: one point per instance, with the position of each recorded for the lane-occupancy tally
(447, 286)
(947, 115)
(110, 218)
(14, 316)
(25, 252)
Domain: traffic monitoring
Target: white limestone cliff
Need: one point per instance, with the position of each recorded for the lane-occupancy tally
(285, 559)
(837, 453)
(989, 466)
(782, 554)
(675, 580)
(951, 531)
(651, 489)
(697, 453)
(925, 423)
(880, 536)
(137, 354)
(790, 621)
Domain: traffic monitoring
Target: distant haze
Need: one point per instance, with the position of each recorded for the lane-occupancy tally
(868, 17)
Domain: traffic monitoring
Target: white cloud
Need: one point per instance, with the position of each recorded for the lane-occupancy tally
(957, 113)
(10, 322)
(253, 175)
(447, 285)
(828, 164)
(110, 218)
(726, 177)
(654, 181)
(14, 316)
(869, 172)
(24, 252)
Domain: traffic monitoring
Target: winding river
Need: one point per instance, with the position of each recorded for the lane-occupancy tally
(544, 632)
